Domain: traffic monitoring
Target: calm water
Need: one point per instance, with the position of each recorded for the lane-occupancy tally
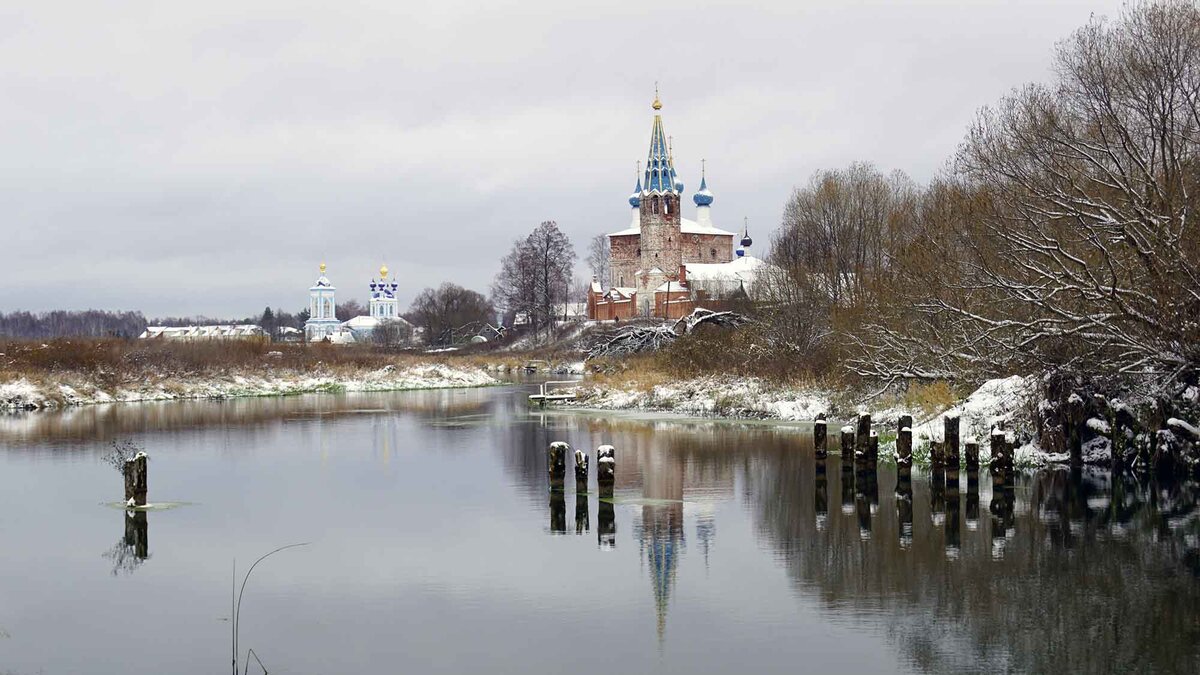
(437, 548)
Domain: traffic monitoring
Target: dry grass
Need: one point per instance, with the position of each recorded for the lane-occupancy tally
(112, 361)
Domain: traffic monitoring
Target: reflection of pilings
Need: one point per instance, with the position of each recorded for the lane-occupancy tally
(904, 504)
(1001, 507)
(821, 491)
(606, 519)
(972, 456)
(820, 433)
(847, 482)
(972, 500)
(953, 531)
(937, 491)
(581, 513)
(137, 534)
(558, 512)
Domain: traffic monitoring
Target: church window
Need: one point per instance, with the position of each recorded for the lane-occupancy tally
(713, 252)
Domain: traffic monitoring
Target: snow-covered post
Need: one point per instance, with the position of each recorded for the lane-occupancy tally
(1002, 458)
(581, 471)
(847, 444)
(972, 455)
(606, 465)
(904, 443)
(1074, 430)
(950, 440)
(820, 432)
(557, 464)
(134, 471)
(862, 436)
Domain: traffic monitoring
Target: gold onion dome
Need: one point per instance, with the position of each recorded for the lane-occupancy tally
(657, 105)
(383, 270)
(322, 268)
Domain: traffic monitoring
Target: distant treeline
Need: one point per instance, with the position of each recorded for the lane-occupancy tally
(100, 323)
(86, 323)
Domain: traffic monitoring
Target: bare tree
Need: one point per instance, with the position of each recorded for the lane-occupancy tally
(536, 275)
(449, 307)
(598, 259)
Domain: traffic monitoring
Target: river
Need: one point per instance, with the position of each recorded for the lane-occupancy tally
(435, 546)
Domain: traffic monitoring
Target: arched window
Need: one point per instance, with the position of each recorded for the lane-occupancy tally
(713, 252)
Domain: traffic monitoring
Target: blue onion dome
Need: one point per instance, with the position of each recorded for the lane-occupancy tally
(703, 197)
(746, 240)
(635, 199)
(678, 184)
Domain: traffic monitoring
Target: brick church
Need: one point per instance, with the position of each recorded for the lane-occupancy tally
(663, 264)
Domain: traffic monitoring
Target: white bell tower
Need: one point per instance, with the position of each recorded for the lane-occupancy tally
(322, 320)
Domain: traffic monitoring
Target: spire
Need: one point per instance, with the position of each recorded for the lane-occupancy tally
(746, 240)
(703, 197)
(660, 168)
(635, 199)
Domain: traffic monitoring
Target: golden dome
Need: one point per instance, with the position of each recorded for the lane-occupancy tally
(657, 105)
(322, 268)
(383, 272)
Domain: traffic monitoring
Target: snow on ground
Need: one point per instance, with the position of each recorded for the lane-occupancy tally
(21, 394)
(747, 397)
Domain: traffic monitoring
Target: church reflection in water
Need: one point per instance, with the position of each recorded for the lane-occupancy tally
(991, 562)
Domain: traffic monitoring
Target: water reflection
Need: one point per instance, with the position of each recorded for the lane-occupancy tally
(133, 548)
(1052, 570)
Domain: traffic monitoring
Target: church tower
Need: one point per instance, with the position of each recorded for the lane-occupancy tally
(322, 320)
(659, 210)
(383, 303)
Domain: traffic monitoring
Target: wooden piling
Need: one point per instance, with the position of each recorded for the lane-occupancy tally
(847, 444)
(1002, 459)
(135, 473)
(862, 435)
(606, 465)
(557, 464)
(1074, 429)
(581, 471)
(972, 455)
(904, 441)
(950, 441)
(820, 433)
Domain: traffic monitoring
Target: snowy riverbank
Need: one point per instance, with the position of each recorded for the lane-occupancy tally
(1007, 401)
(24, 393)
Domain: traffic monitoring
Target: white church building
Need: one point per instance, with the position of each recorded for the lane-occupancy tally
(383, 307)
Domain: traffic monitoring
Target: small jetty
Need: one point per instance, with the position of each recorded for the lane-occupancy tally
(547, 393)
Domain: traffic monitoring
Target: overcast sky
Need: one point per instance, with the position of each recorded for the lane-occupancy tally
(204, 157)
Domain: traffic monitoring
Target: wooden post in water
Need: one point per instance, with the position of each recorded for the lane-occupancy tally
(904, 442)
(581, 471)
(950, 440)
(1074, 429)
(847, 444)
(862, 436)
(135, 480)
(557, 464)
(606, 465)
(1002, 459)
(972, 454)
(820, 433)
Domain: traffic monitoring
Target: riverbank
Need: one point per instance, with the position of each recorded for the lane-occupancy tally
(71, 389)
(1007, 401)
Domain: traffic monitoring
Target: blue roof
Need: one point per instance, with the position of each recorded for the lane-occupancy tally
(660, 169)
(703, 197)
(635, 199)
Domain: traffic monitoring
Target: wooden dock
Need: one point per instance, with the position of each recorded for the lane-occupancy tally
(545, 394)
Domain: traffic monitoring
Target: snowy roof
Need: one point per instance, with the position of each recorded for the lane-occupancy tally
(739, 269)
(185, 332)
(685, 226)
(364, 321)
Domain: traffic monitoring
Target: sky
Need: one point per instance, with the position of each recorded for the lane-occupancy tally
(204, 158)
